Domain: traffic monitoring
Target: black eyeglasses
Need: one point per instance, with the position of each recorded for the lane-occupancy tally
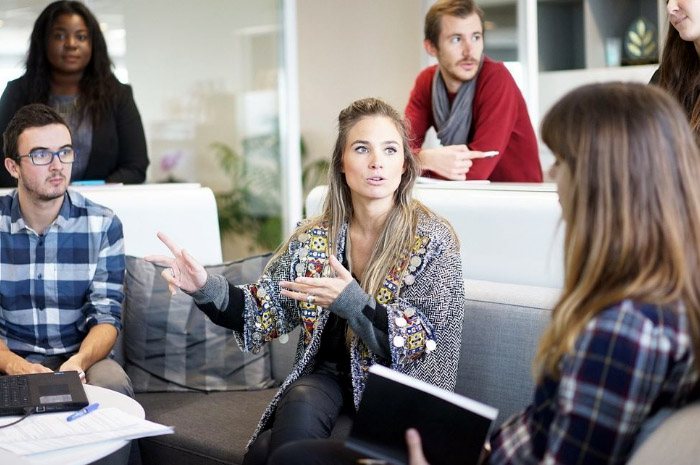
(45, 157)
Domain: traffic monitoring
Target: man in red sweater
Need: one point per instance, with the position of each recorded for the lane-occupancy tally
(473, 103)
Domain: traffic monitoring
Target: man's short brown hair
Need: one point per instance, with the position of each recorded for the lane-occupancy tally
(35, 115)
(458, 8)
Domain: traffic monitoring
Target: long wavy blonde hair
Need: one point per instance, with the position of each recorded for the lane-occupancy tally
(631, 213)
(400, 226)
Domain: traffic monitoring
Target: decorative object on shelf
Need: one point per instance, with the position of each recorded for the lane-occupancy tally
(168, 165)
(613, 51)
(641, 43)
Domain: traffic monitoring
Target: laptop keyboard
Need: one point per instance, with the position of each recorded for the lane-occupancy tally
(14, 391)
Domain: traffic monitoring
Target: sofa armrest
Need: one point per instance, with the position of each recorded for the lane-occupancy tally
(674, 440)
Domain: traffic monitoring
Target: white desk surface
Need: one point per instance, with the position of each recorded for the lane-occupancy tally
(88, 453)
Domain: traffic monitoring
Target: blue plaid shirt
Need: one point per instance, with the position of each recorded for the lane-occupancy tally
(55, 287)
(629, 361)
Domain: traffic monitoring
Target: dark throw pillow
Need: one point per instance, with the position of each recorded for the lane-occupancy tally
(170, 345)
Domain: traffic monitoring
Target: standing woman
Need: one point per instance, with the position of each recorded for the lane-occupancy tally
(679, 72)
(376, 278)
(68, 68)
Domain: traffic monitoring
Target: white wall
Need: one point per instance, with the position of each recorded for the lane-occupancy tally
(349, 50)
(190, 65)
(555, 84)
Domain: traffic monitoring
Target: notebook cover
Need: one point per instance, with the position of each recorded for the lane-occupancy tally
(453, 428)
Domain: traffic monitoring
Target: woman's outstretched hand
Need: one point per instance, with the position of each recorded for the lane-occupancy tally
(318, 291)
(181, 270)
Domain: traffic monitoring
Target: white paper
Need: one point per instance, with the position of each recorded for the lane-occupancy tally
(42, 433)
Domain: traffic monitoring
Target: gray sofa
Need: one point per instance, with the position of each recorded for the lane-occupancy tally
(501, 327)
(500, 330)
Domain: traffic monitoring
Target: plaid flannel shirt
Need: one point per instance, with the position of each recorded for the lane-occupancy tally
(55, 287)
(629, 361)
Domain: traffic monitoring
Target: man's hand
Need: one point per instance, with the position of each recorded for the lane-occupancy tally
(75, 363)
(20, 366)
(451, 161)
(415, 448)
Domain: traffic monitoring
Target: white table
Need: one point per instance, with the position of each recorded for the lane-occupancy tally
(88, 453)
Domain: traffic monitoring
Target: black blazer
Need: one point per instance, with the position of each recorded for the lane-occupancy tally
(118, 143)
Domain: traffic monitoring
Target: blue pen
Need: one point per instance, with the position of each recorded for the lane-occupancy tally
(83, 411)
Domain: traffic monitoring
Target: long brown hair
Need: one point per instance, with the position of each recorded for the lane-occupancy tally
(679, 73)
(632, 213)
(400, 225)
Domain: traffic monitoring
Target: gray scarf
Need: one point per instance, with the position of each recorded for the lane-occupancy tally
(453, 124)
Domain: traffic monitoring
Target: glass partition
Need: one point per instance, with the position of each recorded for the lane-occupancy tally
(209, 81)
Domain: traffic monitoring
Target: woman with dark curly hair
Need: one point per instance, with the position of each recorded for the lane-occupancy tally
(68, 68)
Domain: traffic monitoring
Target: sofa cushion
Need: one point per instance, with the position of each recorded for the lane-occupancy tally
(209, 428)
(502, 326)
(169, 345)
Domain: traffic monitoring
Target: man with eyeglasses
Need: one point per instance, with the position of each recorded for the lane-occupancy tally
(61, 261)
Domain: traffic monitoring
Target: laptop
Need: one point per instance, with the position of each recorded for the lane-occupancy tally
(453, 428)
(41, 392)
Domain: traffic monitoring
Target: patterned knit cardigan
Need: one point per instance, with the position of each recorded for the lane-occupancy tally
(425, 318)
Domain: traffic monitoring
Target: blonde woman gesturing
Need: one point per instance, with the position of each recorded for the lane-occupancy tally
(376, 278)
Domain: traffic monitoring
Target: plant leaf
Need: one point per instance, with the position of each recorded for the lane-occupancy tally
(634, 38)
(633, 49)
(641, 28)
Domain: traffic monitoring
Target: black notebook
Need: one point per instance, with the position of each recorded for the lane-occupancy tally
(453, 428)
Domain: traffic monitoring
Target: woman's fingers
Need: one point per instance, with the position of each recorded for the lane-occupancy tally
(191, 262)
(415, 448)
(169, 277)
(298, 291)
(169, 243)
(160, 260)
(309, 297)
(340, 271)
(296, 295)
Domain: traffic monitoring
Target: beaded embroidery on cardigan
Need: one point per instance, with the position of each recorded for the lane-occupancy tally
(428, 307)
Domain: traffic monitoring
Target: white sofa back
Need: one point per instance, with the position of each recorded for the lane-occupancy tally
(185, 212)
(509, 233)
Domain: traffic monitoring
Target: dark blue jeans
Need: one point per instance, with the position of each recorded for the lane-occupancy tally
(309, 409)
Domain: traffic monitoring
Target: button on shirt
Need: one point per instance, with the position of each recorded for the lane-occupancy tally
(55, 287)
